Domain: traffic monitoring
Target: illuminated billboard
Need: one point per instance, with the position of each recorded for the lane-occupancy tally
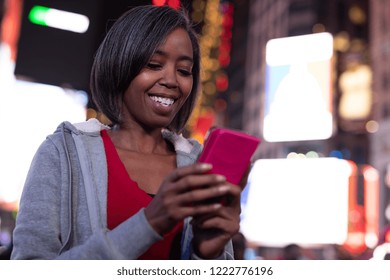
(297, 200)
(36, 111)
(298, 91)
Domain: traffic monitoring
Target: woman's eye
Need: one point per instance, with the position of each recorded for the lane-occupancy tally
(185, 72)
(153, 65)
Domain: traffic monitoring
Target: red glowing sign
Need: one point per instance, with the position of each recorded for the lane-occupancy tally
(172, 3)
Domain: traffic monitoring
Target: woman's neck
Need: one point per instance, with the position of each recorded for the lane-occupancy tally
(139, 140)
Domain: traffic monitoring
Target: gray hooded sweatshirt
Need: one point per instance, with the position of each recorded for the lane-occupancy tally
(63, 205)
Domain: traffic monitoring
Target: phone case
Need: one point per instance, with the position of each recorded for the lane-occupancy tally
(230, 152)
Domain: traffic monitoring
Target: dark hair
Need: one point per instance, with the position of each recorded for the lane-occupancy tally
(128, 47)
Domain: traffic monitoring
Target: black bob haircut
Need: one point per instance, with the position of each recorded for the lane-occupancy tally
(128, 47)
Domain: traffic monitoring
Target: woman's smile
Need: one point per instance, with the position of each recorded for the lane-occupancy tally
(164, 101)
(162, 105)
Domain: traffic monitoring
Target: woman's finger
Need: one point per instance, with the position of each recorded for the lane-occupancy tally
(199, 168)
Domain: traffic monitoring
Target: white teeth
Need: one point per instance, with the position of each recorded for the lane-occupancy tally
(163, 100)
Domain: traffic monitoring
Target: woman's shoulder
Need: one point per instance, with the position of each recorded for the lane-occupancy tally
(66, 130)
(90, 126)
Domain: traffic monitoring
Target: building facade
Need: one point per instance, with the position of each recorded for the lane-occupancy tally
(380, 60)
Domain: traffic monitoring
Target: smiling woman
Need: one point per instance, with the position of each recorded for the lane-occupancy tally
(133, 189)
(158, 93)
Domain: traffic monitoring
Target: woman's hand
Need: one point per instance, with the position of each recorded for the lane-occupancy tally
(213, 230)
(181, 195)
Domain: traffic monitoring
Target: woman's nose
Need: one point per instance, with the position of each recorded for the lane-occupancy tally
(169, 78)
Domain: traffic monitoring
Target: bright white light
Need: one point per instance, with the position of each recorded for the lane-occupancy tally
(312, 154)
(381, 251)
(289, 50)
(28, 113)
(297, 200)
(299, 110)
(356, 98)
(67, 21)
(371, 240)
(387, 212)
(372, 126)
(298, 101)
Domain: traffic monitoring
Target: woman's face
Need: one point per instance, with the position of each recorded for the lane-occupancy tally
(158, 92)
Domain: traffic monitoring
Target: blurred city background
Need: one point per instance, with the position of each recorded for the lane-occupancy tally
(311, 78)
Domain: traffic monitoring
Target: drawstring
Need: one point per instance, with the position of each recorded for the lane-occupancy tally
(66, 242)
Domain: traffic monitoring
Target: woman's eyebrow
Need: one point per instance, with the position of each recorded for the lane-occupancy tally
(182, 57)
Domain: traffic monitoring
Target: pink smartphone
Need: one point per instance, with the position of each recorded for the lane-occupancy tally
(230, 152)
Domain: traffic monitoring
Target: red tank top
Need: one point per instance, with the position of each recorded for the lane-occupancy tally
(125, 198)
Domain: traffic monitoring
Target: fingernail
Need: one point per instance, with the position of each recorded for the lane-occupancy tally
(223, 188)
(217, 206)
(221, 178)
(205, 166)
